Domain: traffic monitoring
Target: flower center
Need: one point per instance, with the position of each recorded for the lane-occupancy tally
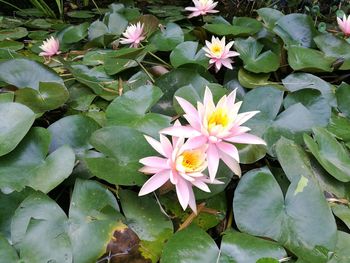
(191, 161)
(218, 117)
(216, 49)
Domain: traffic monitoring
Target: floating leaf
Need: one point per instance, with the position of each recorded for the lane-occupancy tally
(270, 16)
(258, 198)
(343, 98)
(168, 37)
(132, 110)
(13, 33)
(186, 53)
(330, 153)
(42, 173)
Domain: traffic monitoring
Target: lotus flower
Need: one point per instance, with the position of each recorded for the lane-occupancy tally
(182, 163)
(50, 47)
(202, 7)
(219, 126)
(219, 53)
(344, 25)
(133, 35)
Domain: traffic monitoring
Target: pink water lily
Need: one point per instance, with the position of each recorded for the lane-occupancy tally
(219, 53)
(133, 35)
(219, 126)
(202, 7)
(50, 47)
(344, 24)
(182, 163)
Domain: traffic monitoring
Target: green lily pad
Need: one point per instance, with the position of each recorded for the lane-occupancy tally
(145, 218)
(123, 147)
(296, 29)
(341, 253)
(132, 110)
(81, 14)
(250, 80)
(73, 34)
(258, 198)
(186, 53)
(270, 16)
(13, 33)
(25, 73)
(7, 253)
(254, 60)
(343, 98)
(15, 121)
(307, 59)
(12, 45)
(168, 37)
(342, 212)
(42, 172)
(330, 153)
(340, 127)
(49, 96)
(190, 245)
(243, 248)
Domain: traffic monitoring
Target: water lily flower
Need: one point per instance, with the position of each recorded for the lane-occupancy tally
(219, 53)
(344, 24)
(217, 125)
(50, 47)
(133, 35)
(202, 7)
(182, 164)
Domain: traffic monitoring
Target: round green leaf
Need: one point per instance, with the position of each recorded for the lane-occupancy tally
(341, 253)
(13, 33)
(25, 73)
(168, 37)
(7, 253)
(144, 217)
(191, 245)
(258, 198)
(93, 216)
(123, 147)
(242, 248)
(42, 173)
(254, 60)
(131, 109)
(39, 218)
(330, 153)
(296, 29)
(48, 96)
(73, 34)
(15, 121)
(342, 212)
(75, 131)
(186, 53)
(343, 98)
(270, 16)
(10, 44)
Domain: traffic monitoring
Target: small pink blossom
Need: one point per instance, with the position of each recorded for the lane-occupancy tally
(50, 47)
(133, 35)
(219, 53)
(182, 163)
(219, 126)
(202, 7)
(344, 24)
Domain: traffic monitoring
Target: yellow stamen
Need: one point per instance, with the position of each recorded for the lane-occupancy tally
(218, 117)
(216, 49)
(192, 160)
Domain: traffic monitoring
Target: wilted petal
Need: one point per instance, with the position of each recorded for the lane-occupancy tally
(155, 182)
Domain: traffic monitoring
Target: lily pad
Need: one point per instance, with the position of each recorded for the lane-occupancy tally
(186, 53)
(168, 37)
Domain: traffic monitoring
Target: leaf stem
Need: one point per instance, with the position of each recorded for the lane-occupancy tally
(146, 71)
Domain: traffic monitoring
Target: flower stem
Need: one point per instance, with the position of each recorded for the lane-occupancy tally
(146, 71)
(161, 60)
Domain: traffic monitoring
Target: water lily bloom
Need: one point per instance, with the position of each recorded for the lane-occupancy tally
(202, 7)
(182, 164)
(133, 35)
(344, 24)
(219, 53)
(50, 47)
(219, 126)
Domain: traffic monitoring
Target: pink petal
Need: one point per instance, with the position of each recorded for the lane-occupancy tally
(181, 131)
(155, 144)
(228, 149)
(155, 182)
(191, 112)
(192, 200)
(201, 185)
(150, 170)
(208, 97)
(183, 194)
(231, 163)
(166, 146)
(243, 117)
(213, 161)
(156, 162)
(194, 142)
(238, 130)
(246, 138)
